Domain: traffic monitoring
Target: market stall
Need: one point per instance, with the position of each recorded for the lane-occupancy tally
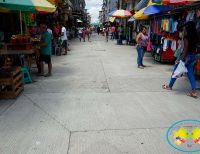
(20, 50)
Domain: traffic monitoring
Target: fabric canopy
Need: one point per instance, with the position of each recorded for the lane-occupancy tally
(111, 13)
(55, 2)
(112, 19)
(183, 1)
(28, 5)
(140, 15)
(141, 5)
(155, 9)
(157, 1)
(132, 19)
(120, 14)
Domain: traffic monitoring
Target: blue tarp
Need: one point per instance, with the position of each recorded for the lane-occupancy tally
(155, 9)
(141, 5)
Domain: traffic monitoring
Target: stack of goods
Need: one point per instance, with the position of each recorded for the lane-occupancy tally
(19, 42)
(11, 84)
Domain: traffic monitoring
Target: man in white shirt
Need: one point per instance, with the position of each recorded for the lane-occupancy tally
(64, 38)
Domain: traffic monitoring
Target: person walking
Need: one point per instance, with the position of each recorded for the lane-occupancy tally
(88, 33)
(191, 39)
(46, 48)
(64, 38)
(127, 35)
(113, 29)
(106, 33)
(98, 30)
(84, 31)
(80, 34)
(142, 41)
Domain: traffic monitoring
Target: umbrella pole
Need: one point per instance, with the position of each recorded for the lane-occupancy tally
(20, 15)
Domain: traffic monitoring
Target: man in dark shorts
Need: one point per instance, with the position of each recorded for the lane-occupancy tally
(45, 51)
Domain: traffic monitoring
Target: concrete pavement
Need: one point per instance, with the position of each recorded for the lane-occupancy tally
(96, 102)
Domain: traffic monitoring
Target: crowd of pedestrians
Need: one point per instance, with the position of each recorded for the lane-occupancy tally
(84, 32)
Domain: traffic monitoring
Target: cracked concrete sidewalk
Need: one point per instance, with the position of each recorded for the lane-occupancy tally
(96, 102)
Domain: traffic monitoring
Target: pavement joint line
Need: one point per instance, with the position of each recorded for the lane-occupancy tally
(128, 129)
(122, 92)
(105, 76)
(69, 143)
(49, 115)
(8, 108)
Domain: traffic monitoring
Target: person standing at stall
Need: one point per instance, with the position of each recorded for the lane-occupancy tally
(106, 33)
(120, 35)
(45, 51)
(127, 34)
(191, 39)
(64, 38)
(142, 41)
(113, 32)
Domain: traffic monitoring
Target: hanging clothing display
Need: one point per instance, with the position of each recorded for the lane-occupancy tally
(190, 16)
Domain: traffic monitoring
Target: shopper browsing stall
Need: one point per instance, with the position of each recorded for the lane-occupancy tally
(45, 51)
(142, 40)
(64, 38)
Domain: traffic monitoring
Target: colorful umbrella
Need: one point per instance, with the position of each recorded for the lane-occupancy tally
(132, 19)
(140, 15)
(166, 2)
(157, 1)
(28, 5)
(112, 19)
(120, 14)
(182, 2)
(111, 13)
(155, 9)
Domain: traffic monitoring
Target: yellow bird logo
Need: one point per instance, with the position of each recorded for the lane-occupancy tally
(181, 136)
(195, 135)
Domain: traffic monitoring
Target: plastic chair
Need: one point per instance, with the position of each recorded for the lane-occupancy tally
(26, 75)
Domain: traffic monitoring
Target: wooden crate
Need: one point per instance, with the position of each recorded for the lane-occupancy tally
(11, 84)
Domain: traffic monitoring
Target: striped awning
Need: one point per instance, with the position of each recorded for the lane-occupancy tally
(141, 5)
(28, 5)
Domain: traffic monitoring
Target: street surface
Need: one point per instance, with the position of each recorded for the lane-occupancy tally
(96, 102)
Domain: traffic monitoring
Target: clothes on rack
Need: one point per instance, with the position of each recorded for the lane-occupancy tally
(167, 25)
(190, 16)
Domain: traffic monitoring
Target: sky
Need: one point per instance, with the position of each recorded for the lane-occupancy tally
(94, 6)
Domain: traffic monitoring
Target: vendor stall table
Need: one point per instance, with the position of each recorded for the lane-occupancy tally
(29, 54)
(16, 52)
